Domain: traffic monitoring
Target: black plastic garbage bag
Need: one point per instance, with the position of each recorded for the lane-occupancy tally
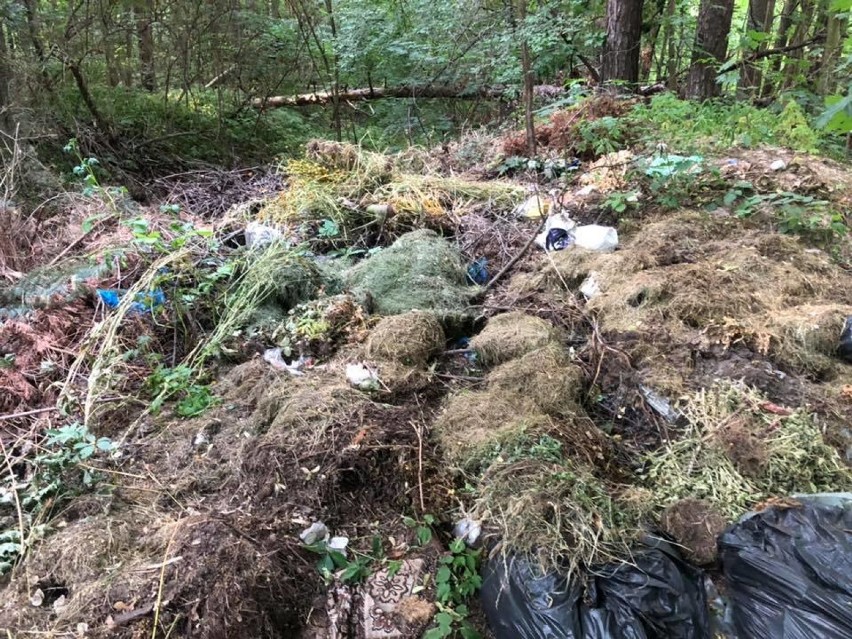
(845, 348)
(789, 572)
(657, 596)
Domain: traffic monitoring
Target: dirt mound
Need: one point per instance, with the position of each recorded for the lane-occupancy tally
(695, 525)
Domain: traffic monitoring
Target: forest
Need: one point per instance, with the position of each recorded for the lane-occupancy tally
(425, 319)
(154, 86)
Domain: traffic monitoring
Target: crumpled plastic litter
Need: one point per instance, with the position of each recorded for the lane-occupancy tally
(591, 287)
(275, 359)
(788, 570)
(561, 232)
(144, 302)
(468, 529)
(477, 272)
(534, 207)
(317, 531)
(557, 221)
(258, 234)
(361, 377)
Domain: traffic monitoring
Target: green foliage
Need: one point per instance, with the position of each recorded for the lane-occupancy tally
(456, 581)
(837, 116)
(717, 125)
(619, 201)
(59, 471)
(797, 214)
(600, 136)
(794, 131)
(675, 179)
(178, 383)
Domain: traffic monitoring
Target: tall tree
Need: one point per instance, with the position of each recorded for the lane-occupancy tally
(623, 34)
(758, 27)
(710, 48)
(144, 14)
(838, 24)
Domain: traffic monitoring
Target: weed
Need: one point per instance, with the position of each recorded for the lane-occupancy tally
(456, 581)
(620, 201)
(178, 383)
(59, 471)
(796, 214)
(601, 136)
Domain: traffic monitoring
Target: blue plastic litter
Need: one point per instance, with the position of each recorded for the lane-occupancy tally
(478, 271)
(144, 302)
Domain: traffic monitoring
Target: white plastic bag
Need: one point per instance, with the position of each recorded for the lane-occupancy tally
(596, 238)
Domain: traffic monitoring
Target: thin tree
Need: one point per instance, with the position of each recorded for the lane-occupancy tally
(710, 48)
(623, 35)
(759, 20)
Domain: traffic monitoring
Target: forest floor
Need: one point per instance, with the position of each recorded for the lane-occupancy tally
(160, 461)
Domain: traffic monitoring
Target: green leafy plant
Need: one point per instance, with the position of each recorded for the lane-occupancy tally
(796, 214)
(59, 471)
(179, 383)
(456, 581)
(353, 570)
(620, 201)
(600, 136)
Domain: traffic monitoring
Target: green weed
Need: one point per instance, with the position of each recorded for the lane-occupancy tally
(58, 472)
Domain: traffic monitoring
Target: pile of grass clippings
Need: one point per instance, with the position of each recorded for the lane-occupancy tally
(412, 338)
(420, 271)
(511, 335)
(735, 454)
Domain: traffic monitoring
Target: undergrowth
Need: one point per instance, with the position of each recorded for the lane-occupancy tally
(57, 473)
(716, 125)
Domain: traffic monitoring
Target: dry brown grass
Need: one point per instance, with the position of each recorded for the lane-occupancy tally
(412, 338)
(560, 513)
(546, 377)
(511, 335)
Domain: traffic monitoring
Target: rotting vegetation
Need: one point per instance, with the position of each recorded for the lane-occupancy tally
(521, 405)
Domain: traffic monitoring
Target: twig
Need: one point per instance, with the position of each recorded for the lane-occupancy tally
(27, 413)
(162, 581)
(462, 378)
(417, 431)
(519, 255)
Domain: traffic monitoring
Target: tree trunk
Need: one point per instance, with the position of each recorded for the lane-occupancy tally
(782, 36)
(792, 64)
(838, 24)
(760, 18)
(5, 81)
(710, 48)
(335, 87)
(107, 24)
(144, 10)
(647, 55)
(623, 36)
(322, 98)
(670, 46)
(528, 78)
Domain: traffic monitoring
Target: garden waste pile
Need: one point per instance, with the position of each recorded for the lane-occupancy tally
(333, 411)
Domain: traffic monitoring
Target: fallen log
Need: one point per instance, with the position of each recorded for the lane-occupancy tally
(353, 95)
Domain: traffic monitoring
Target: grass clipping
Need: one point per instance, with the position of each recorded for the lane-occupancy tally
(511, 335)
(420, 271)
(736, 453)
(558, 512)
